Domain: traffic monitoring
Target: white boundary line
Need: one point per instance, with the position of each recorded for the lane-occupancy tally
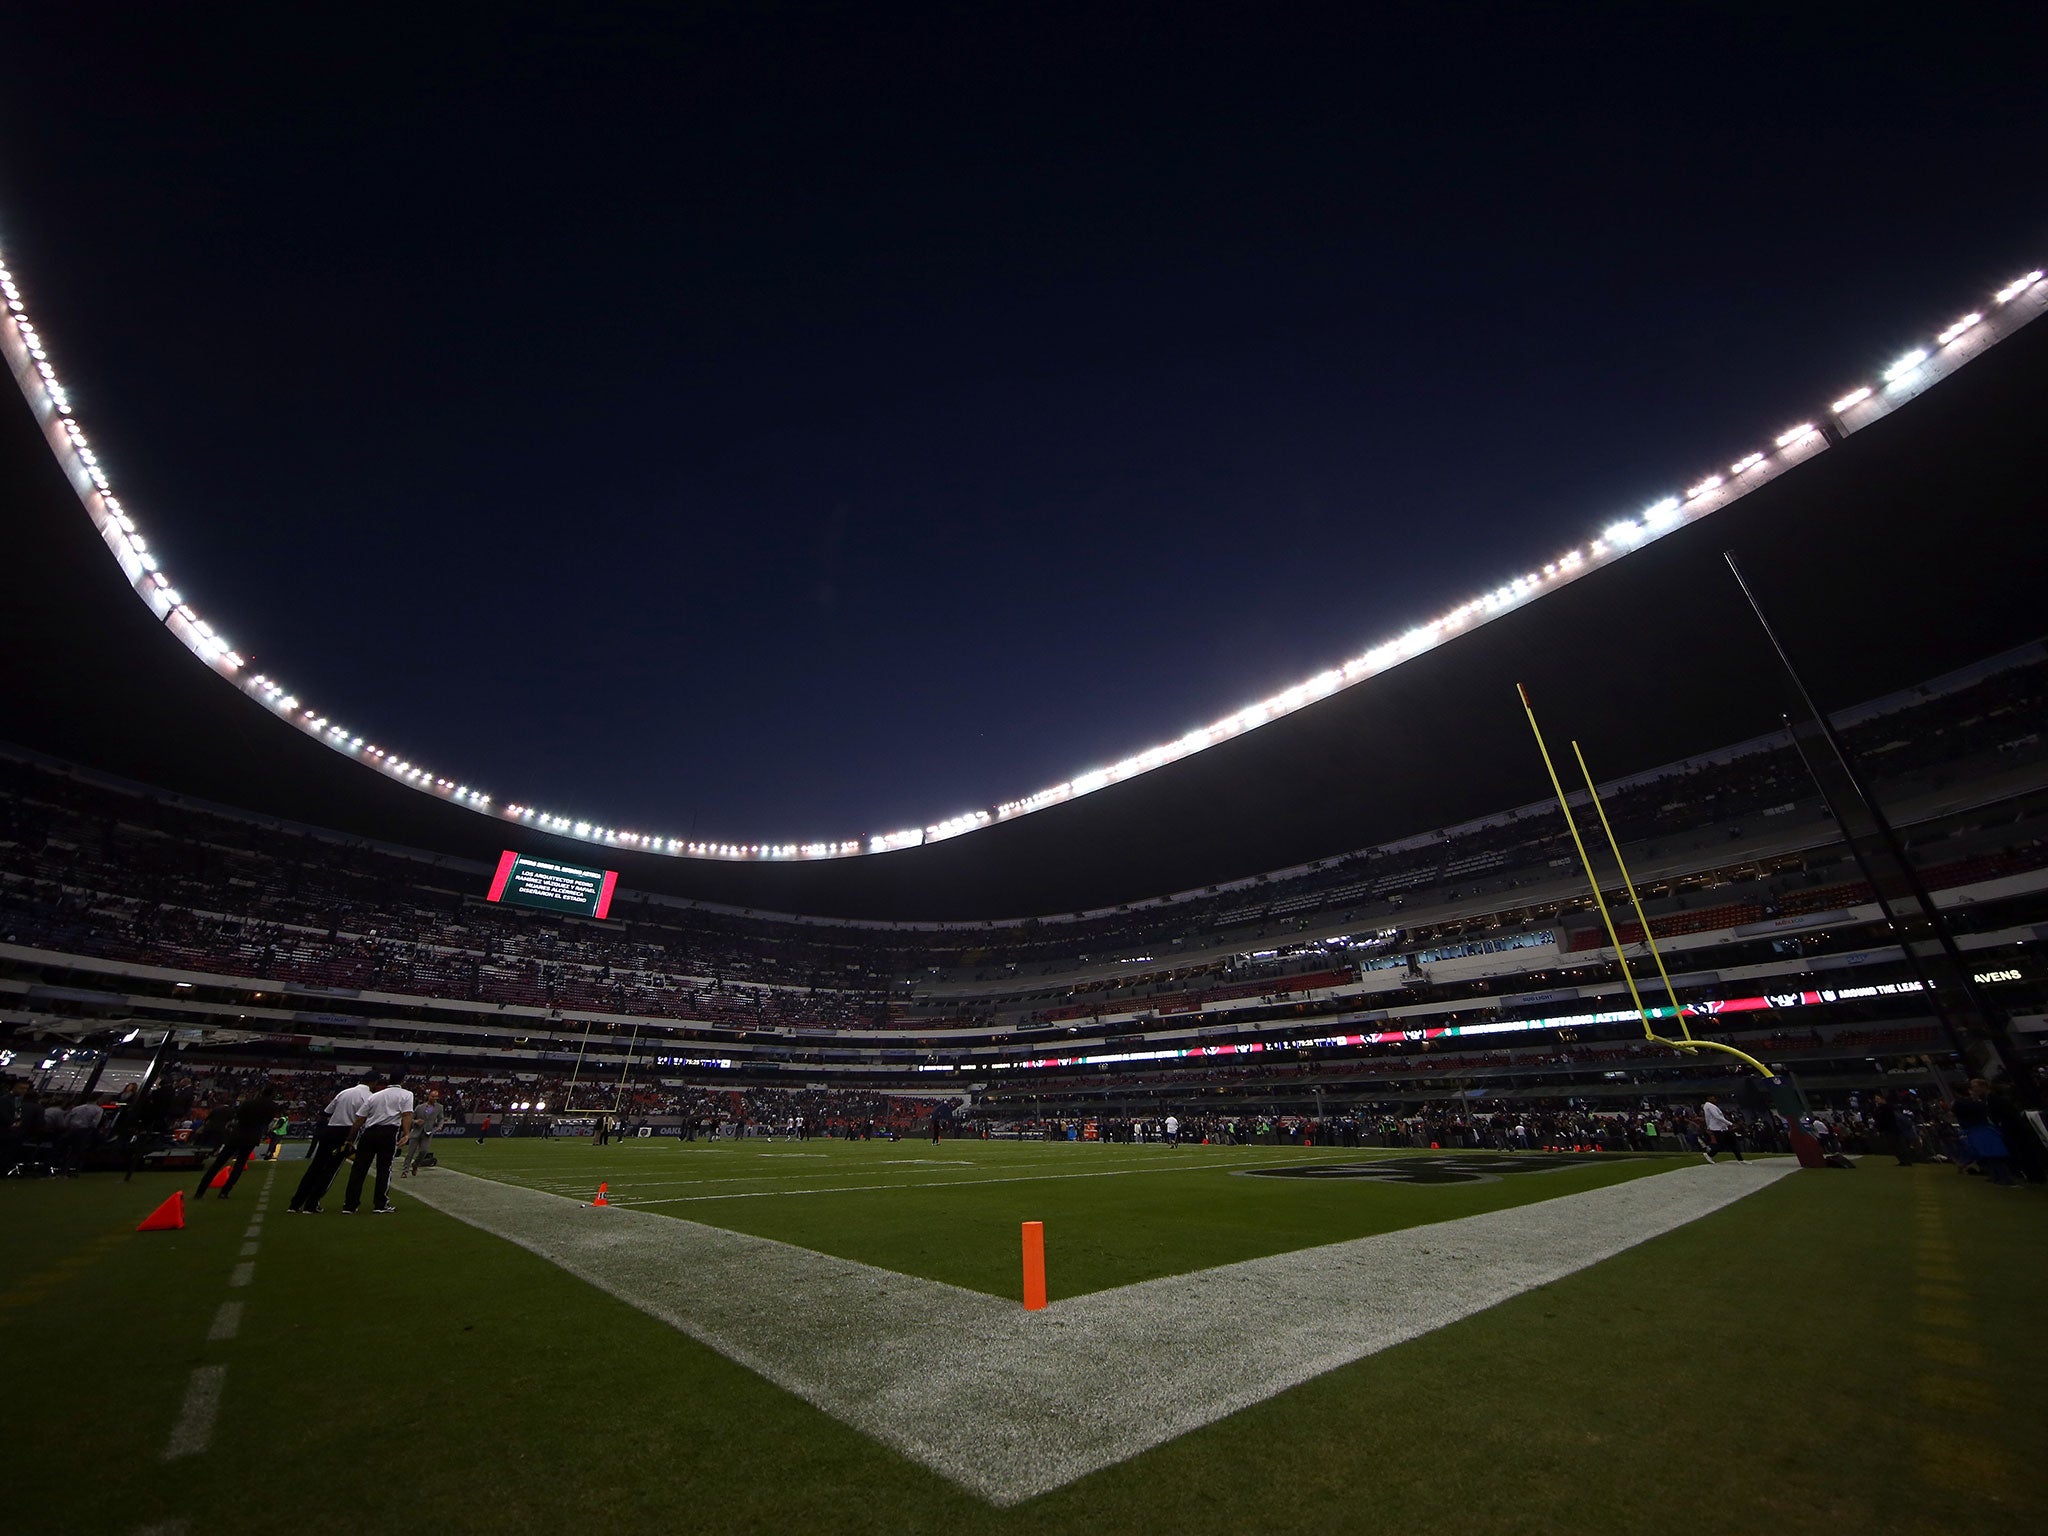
(1018, 1178)
(1010, 1404)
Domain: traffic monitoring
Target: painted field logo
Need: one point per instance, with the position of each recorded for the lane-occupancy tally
(1449, 1168)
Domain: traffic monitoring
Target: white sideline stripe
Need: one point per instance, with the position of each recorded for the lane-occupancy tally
(248, 1251)
(666, 1180)
(1187, 1156)
(242, 1274)
(560, 1186)
(227, 1322)
(254, 1229)
(1009, 1403)
(856, 1189)
(552, 1173)
(193, 1432)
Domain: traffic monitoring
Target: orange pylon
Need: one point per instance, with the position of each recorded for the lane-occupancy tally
(1034, 1266)
(600, 1200)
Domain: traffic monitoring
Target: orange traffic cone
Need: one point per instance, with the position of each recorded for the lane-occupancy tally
(220, 1180)
(600, 1200)
(168, 1217)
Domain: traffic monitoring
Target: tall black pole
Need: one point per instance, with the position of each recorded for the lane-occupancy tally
(1977, 1029)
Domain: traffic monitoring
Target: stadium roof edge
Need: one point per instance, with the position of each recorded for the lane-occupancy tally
(1879, 560)
(2003, 313)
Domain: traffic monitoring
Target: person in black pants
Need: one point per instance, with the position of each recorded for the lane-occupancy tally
(382, 1126)
(330, 1143)
(245, 1133)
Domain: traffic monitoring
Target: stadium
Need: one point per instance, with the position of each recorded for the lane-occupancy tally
(1306, 1120)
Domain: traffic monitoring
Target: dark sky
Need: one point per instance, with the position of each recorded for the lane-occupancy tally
(790, 421)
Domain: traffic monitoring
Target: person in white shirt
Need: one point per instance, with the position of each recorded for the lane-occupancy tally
(383, 1125)
(1721, 1135)
(330, 1145)
(1173, 1130)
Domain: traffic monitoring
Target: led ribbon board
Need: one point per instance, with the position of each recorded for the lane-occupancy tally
(521, 881)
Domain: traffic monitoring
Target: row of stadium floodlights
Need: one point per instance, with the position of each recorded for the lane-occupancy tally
(1904, 378)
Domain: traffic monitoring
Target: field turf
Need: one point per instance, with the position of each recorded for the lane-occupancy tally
(951, 1212)
(1856, 1350)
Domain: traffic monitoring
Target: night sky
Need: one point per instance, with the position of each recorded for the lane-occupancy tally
(790, 421)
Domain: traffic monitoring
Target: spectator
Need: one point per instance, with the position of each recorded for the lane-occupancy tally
(1983, 1142)
(17, 1110)
(81, 1128)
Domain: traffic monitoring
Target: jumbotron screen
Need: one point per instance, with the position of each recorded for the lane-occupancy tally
(523, 881)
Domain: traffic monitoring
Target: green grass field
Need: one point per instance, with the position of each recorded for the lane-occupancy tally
(1856, 1349)
(951, 1212)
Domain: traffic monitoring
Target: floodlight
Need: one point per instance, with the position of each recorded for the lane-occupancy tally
(1958, 328)
(1905, 365)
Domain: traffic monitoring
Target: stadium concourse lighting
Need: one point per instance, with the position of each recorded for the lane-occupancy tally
(1708, 1010)
(29, 358)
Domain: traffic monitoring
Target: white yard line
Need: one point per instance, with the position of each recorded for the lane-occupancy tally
(193, 1431)
(855, 1189)
(227, 1322)
(1183, 1157)
(555, 1184)
(242, 1274)
(1010, 1403)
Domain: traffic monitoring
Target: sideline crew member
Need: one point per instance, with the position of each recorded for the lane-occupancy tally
(427, 1121)
(330, 1144)
(382, 1126)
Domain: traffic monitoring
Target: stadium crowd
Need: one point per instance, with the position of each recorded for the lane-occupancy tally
(1906, 1124)
(91, 869)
